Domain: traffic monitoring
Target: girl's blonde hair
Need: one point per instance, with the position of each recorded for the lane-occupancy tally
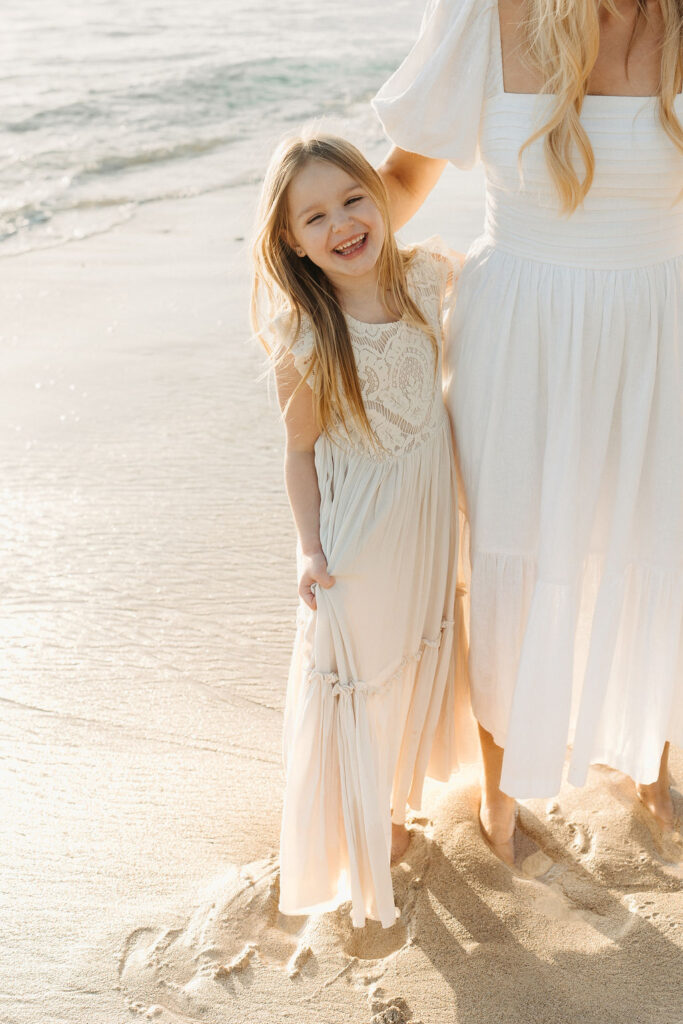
(563, 38)
(294, 291)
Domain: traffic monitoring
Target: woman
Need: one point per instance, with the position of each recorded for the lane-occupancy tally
(565, 391)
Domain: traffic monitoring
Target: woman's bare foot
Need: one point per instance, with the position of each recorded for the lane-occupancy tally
(400, 840)
(659, 804)
(497, 811)
(497, 823)
(656, 796)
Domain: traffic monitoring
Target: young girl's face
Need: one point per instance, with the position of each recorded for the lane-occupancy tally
(335, 223)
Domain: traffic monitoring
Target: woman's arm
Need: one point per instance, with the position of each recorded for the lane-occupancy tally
(409, 178)
(301, 479)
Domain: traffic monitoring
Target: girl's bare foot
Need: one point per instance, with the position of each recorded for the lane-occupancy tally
(400, 840)
(656, 796)
(497, 823)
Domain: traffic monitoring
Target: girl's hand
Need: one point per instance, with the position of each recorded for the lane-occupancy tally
(314, 571)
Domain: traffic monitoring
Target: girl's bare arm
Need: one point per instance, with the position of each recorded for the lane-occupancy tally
(301, 479)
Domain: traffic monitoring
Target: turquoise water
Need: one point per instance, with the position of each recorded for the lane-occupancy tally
(104, 106)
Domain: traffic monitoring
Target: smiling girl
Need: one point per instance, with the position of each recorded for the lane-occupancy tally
(377, 695)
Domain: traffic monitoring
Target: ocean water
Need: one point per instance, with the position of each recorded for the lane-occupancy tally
(104, 106)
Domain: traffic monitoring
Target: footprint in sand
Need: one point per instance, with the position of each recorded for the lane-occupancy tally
(581, 840)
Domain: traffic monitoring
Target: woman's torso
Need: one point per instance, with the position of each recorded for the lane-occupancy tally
(629, 218)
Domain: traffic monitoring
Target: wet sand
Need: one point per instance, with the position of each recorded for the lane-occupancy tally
(149, 595)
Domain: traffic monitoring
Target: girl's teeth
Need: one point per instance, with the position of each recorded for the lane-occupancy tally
(350, 245)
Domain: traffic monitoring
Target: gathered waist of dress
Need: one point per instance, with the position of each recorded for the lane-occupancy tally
(392, 446)
(607, 233)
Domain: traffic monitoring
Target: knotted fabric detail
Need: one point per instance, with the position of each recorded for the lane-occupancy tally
(349, 686)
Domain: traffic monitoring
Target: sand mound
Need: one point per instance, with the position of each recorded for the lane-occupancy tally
(238, 955)
(587, 929)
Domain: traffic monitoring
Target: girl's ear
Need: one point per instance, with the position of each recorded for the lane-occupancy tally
(293, 245)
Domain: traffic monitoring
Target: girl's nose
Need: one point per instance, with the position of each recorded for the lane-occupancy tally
(341, 219)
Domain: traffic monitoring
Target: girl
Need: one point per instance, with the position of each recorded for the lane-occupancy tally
(377, 696)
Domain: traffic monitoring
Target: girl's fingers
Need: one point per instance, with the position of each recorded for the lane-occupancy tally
(307, 594)
(307, 586)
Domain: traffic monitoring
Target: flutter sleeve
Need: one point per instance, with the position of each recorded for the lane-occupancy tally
(432, 104)
(299, 344)
(445, 264)
(434, 273)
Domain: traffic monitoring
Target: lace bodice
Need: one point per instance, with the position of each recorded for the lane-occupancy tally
(400, 378)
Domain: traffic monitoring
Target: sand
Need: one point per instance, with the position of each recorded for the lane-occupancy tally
(148, 604)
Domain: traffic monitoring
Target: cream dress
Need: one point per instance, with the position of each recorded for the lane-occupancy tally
(565, 389)
(377, 695)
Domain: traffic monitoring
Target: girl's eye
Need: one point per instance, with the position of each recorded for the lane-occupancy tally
(354, 199)
(312, 219)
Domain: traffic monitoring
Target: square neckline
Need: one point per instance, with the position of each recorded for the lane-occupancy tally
(498, 56)
(367, 323)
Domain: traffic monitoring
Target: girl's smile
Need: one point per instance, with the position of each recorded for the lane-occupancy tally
(351, 247)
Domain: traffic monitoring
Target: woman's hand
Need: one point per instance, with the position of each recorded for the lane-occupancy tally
(314, 571)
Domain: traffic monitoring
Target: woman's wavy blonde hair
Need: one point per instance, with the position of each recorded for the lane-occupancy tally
(289, 291)
(563, 38)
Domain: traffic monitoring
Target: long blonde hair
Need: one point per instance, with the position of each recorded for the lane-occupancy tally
(290, 289)
(563, 38)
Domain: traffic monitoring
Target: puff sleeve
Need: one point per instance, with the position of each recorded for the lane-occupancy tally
(432, 104)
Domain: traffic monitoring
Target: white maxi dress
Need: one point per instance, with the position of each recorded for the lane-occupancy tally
(377, 694)
(565, 388)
